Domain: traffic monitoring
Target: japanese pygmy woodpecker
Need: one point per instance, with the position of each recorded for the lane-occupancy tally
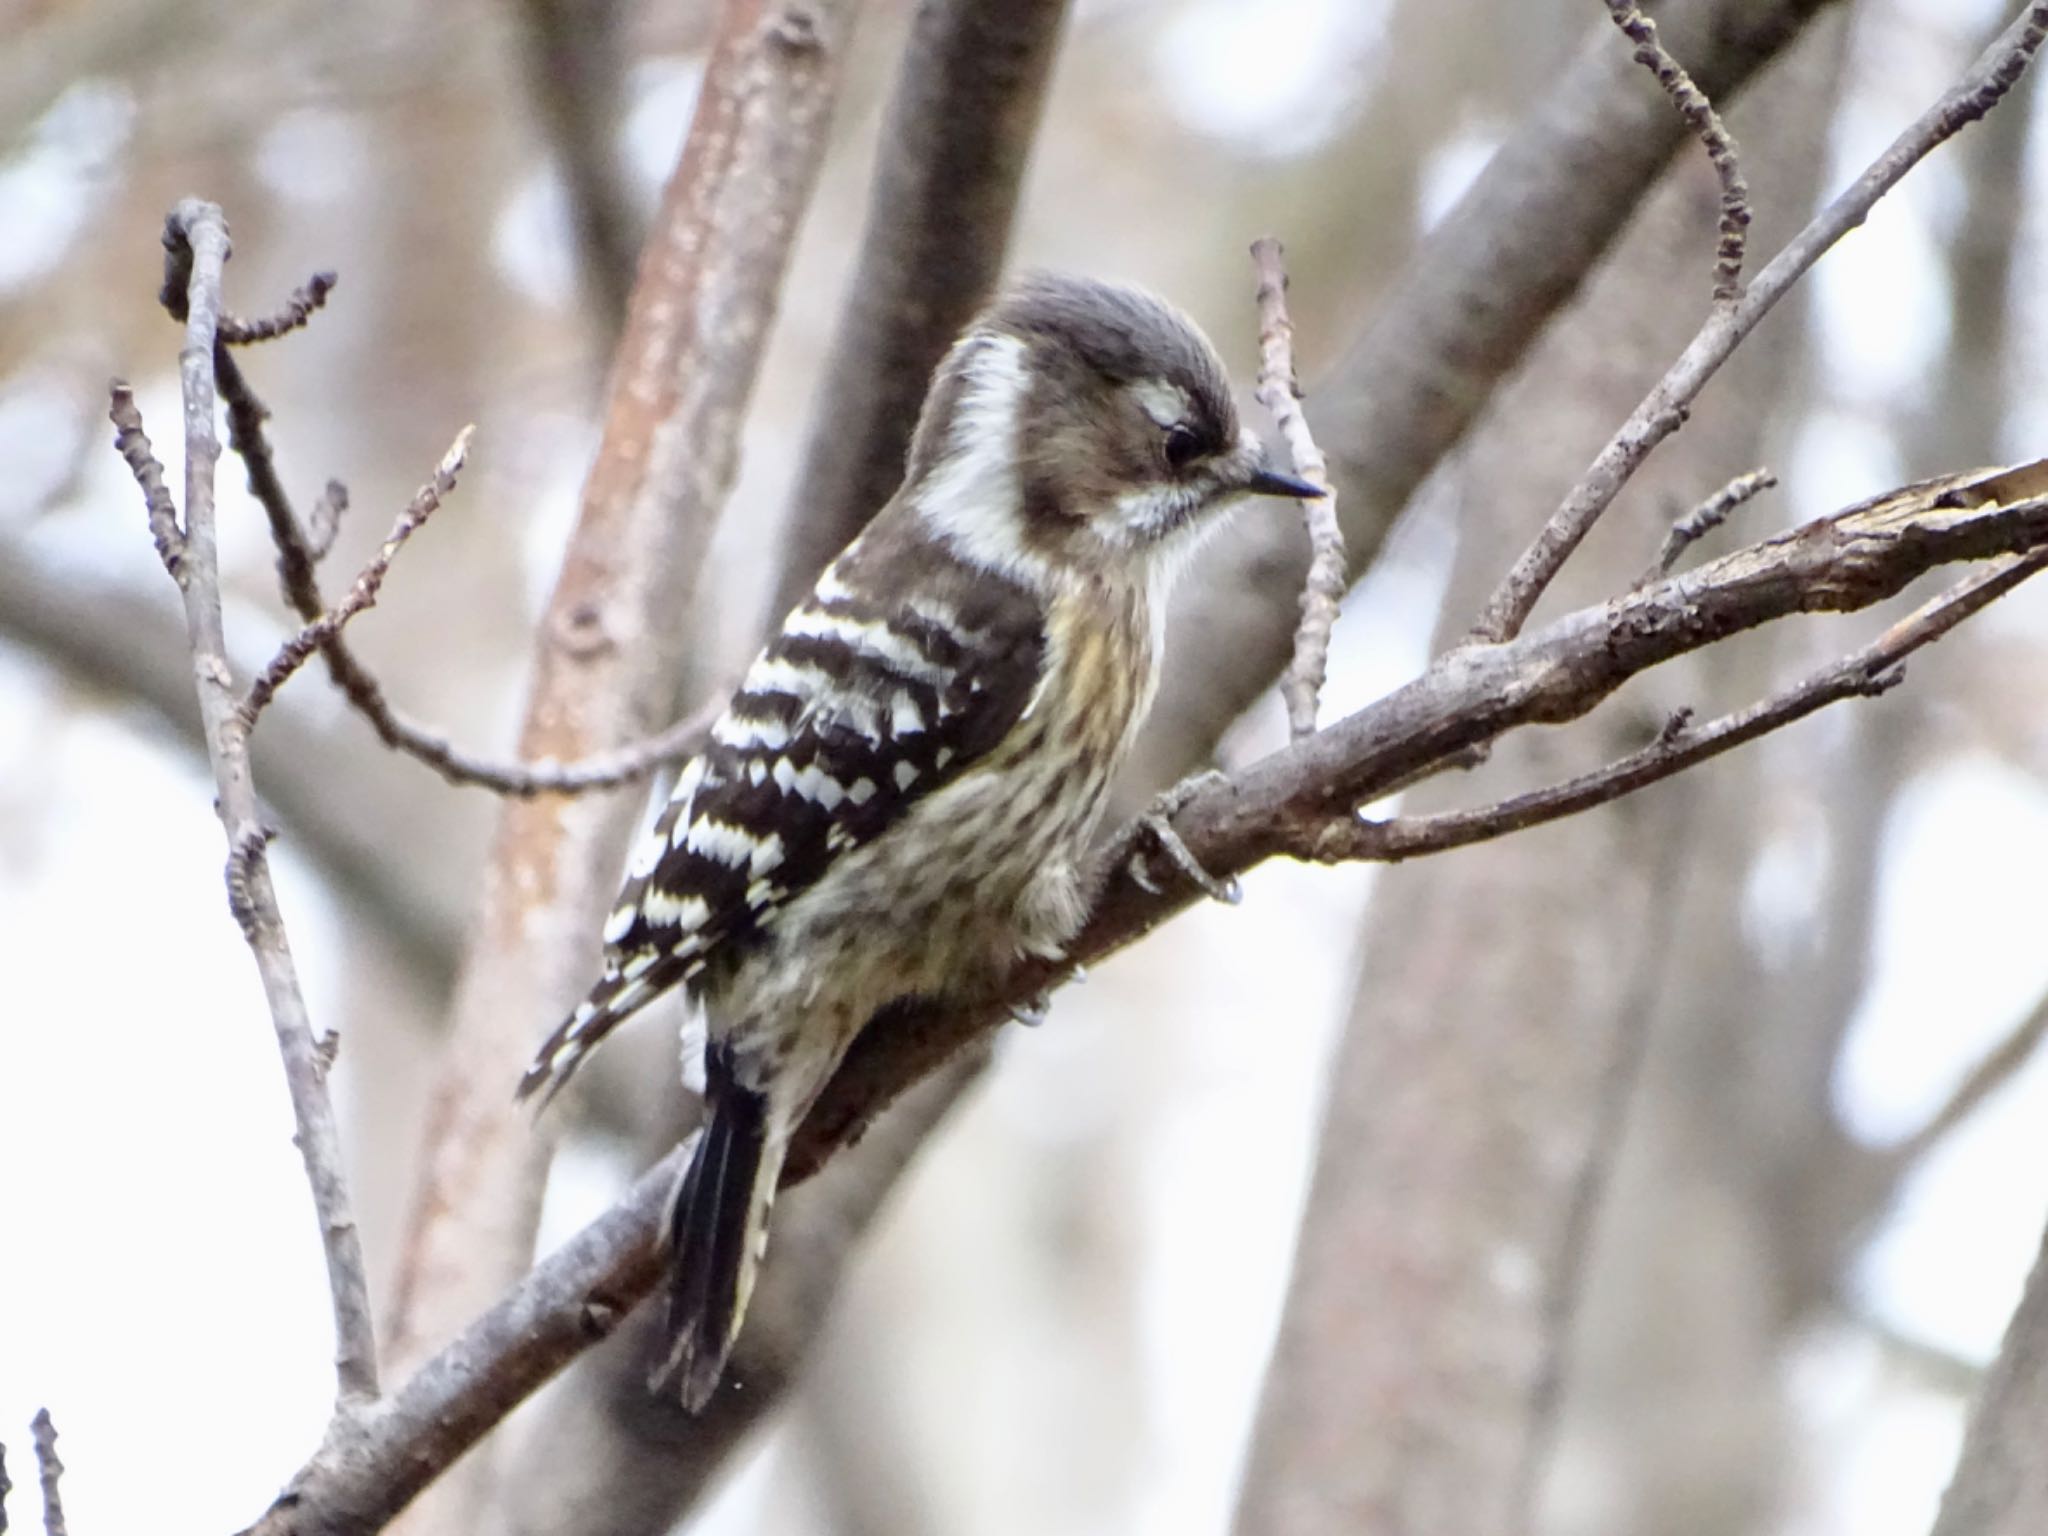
(898, 799)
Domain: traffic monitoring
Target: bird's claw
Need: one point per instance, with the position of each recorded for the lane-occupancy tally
(1032, 1010)
(1158, 822)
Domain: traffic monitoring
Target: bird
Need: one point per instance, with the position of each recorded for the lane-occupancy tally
(898, 800)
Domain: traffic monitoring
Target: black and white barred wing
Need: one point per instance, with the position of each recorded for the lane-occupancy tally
(855, 711)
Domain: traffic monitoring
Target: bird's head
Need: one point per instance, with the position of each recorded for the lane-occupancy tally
(1080, 427)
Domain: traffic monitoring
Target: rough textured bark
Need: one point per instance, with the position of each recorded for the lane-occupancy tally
(1505, 992)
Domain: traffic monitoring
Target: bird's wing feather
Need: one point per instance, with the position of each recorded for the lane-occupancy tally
(858, 709)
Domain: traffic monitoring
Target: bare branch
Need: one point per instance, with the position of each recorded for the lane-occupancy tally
(299, 551)
(612, 644)
(133, 444)
(1472, 695)
(1706, 517)
(1279, 391)
(2000, 1487)
(1864, 673)
(196, 250)
(1706, 124)
(1663, 411)
(363, 593)
(969, 94)
(1458, 320)
(44, 1428)
(324, 521)
(575, 53)
(298, 309)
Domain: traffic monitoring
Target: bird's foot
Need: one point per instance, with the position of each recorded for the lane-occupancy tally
(1156, 823)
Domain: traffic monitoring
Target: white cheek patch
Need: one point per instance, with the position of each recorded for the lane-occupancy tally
(972, 499)
(1165, 403)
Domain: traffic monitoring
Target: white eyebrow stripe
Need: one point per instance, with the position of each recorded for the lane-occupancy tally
(1165, 403)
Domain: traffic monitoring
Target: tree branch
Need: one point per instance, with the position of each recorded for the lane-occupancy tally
(298, 555)
(363, 592)
(615, 632)
(1279, 391)
(196, 250)
(969, 95)
(1842, 563)
(1707, 127)
(1478, 291)
(1664, 409)
(1287, 802)
(50, 1470)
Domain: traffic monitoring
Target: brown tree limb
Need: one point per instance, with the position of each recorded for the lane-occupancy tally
(614, 634)
(1279, 391)
(969, 94)
(1706, 124)
(196, 251)
(298, 311)
(1664, 409)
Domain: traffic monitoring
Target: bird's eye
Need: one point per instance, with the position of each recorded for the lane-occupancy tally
(1183, 446)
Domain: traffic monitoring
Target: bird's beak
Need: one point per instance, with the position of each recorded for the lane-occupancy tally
(1270, 482)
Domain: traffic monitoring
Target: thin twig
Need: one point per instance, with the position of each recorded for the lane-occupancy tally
(1865, 673)
(1664, 409)
(1705, 518)
(133, 444)
(298, 553)
(1279, 391)
(323, 523)
(363, 592)
(196, 250)
(44, 1428)
(298, 309)
(1706, 124)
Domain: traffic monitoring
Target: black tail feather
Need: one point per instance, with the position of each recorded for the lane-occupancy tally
(711, 1234)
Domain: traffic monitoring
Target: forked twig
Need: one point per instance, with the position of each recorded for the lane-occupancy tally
(1663, 410)
(196, 251)
(363, 592)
